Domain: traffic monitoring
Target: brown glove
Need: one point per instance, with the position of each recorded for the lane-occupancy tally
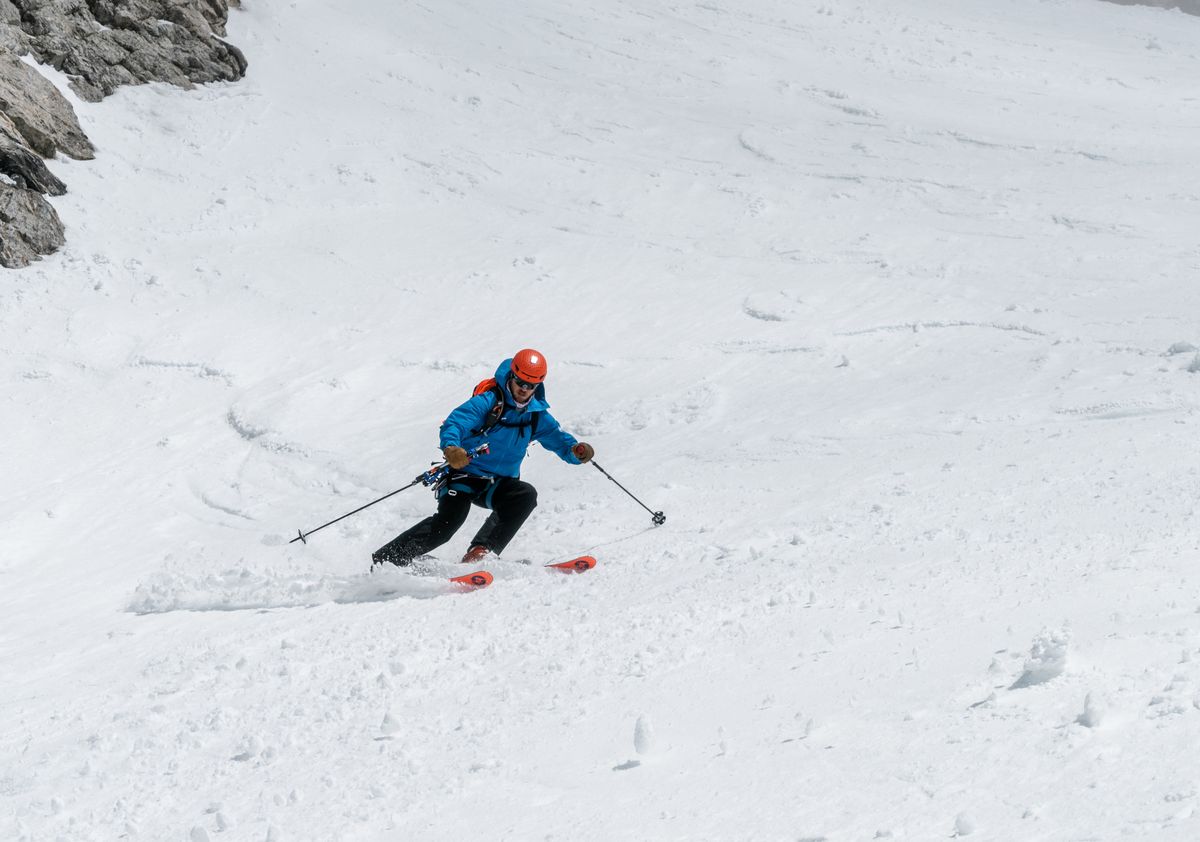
(583, 452)
(456, 457)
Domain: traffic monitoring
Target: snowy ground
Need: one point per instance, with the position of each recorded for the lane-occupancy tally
(892, 307)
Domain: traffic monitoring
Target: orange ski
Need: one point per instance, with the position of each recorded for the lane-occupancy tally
(575, 565)
(478, 579)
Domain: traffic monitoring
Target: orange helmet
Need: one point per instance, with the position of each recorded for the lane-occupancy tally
(529, 365)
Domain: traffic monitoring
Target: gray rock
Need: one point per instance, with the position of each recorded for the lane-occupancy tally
(104, 44)
(26, 169)
(9, 13)
(12, 38)
(41, 115)
(29, 227)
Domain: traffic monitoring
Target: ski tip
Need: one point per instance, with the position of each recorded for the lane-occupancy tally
(478, 579)
(575, 565)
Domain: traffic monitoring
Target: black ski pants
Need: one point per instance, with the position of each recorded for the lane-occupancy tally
(511, 501)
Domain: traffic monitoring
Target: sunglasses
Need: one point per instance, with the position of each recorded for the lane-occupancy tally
(517, 381)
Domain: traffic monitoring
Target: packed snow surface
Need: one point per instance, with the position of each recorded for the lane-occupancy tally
(892, 307)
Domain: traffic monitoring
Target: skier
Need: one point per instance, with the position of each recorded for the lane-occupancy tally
(509, 413)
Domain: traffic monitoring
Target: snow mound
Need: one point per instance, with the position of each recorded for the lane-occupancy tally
(1047, 659)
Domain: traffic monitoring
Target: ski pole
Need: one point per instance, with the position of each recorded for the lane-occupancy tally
(303, 536)
(658, 517)
(429, 478)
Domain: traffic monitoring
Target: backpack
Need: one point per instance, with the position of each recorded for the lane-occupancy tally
(497, 410)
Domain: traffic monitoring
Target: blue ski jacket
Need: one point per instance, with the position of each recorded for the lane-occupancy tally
(510, 438)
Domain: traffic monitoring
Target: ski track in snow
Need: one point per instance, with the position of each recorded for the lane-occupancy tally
(243, 589)
(846, 291)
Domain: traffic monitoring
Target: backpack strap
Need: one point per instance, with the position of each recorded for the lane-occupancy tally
(497, 410)
(531, 424)
(493, 415)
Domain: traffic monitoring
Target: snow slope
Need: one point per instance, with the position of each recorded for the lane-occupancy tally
(891, 307)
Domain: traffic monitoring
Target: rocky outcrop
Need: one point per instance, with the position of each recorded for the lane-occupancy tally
(40, 115)
(100, 45)
(36, 121)
(26, 170)
(104, 44)
(29, 227)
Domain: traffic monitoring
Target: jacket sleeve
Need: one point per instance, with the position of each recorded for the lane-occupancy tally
(459, 426)
(552, 437)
